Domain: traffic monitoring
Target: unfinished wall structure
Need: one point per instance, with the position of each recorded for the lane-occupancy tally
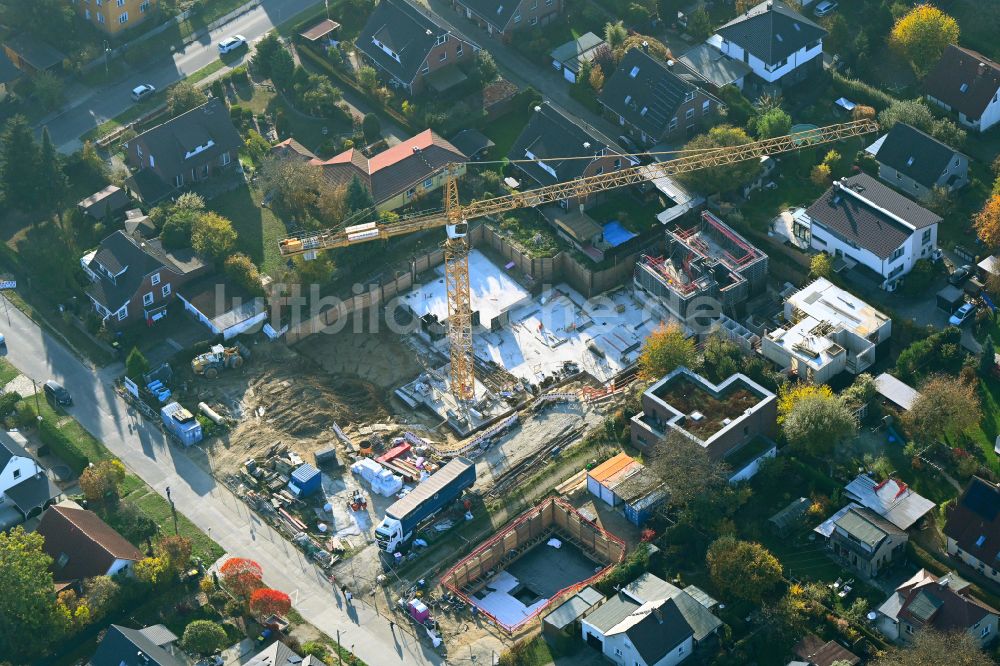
(706, 261)
(495, 567)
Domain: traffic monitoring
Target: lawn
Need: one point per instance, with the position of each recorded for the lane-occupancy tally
(7, 372)
(258, 229)
(311, 132)
(985, 435)
(87, 443)
(634, 214)
(504, 131)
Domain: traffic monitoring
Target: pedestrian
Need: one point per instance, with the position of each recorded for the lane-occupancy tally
(343, 590)
(392, 626)
(349, 596)
(168, 493)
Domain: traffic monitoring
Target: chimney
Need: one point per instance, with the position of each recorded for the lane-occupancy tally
(538, 108)
(645, 46)
(982, 68)
(586, 145)
(670, 63)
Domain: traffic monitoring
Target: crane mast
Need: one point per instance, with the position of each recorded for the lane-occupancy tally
(455, 219)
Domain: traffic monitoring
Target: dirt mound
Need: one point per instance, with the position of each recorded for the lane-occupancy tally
(306, 405)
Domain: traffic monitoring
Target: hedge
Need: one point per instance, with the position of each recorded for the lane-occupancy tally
(8, 402)
(859, 91)
(62, 446)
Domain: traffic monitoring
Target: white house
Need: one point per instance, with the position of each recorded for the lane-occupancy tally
(223, 307)
(862, 220)
(916, 163)
(651, 623)
(776, 42)
(968, 84)
(25, 488)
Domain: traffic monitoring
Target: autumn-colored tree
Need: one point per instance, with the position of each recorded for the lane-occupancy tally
(213, 236)
(743, 568)
(933, 648)
(987, 223)
(242, 271)
(265, 602)
(821, 265)
(724, 178)
(101, 594)
(945, 404)
(596, 79)
(813, 419)
(152, 570)
(101, 482)
(821, 175)
(922, 35)
(241, 576)
(666, 349)
(863, 112)
(176, 550)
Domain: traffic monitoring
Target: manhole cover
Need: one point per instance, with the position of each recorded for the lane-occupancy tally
(62, 472)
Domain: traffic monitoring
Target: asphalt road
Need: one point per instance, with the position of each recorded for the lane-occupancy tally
(90, 109)
(211, 506)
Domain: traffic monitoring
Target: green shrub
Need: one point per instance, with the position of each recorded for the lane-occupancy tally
(239, 74)
(8, 403)
(859, 91)
(62, 446)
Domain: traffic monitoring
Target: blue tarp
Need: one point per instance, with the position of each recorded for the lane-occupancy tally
(615, 234)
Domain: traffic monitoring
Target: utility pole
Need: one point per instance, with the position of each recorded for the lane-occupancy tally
(38, 408)
(339, 660)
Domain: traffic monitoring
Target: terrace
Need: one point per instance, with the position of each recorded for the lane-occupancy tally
(705, 412)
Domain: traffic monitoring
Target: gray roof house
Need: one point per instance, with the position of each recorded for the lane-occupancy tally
(151, 646)
(714, 67)
(864, 540)
(916, 163)
(654, 100)
(776, 42)
(502, 18)
(967, 83)
(25, 486)
(570, 57)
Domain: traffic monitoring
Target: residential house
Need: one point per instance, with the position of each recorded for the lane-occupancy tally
(651, 623)
(502, 18)
(411, 49)
(553, 148)
(82, 545)
(656, 101)
(138, 225)
(968, 84)
(722, 418)
(865, 541)
(192, 147)
(892, 499)
(972, 527)
(276, 654)
(816, 652)
(114, 16)
(473, 143)
(104, 203)
(870, 224)
(916, 163)
(943, 603)
(133, 279)
(396, 176)
(9, 75)
(570, 57)
(715, 68)
(778, 44)
(831, 331)
(31, 55)
(224, 308)
(25, 487)
(565, 619)
(150, 646)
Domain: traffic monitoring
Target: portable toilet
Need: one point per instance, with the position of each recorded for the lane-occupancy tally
(181, 423)
(306, 480)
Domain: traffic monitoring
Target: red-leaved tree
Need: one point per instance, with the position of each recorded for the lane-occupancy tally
(265, 602)
(241, 577)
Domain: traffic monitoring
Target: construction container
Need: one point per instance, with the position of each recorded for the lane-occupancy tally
(305, 480)
(181, 423)
(327, 456)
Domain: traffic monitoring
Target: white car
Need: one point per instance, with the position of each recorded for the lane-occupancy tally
(962, 314)
(143, 91)
(231, 44)
(825, 8)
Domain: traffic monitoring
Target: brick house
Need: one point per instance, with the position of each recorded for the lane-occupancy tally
(408, 48)
(502, 18)
(549, 138)
(114, 16)
(656, 101)
(192, 147)
(134, 280)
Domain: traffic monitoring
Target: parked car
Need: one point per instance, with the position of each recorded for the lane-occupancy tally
(825, 8)
(232, 43)
(962, 314)
(143, 91)
(3, 342)
(960, 274)
(56, 394)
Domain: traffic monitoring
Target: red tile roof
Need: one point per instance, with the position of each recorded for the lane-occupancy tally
(90, 544)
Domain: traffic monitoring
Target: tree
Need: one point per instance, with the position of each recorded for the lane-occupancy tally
(486, 67)
(687, 469)
(939, 351)
(840, 37)
(933, 648)
(176, 550)
(294, 184)
(242, 271)
(774, 122)
(183, 96)
(615, 34)
(357, 196)
(152, 570)
(50, 172)
(101, 482)
(50, 20)
(371, 127)
(241, 576)
(813, 419)
(48, 89)
(266, 602)
(282, 68)
(101, 594)
(666, 349)
(745, 569)
(213, 236)
(596, 79)
(133, 523)
(914, 112)
(136, 365)
(861, 392)
(987, 358)
(27, 604)
(263, 54)
(257, 147)
(940, 200)
(181, 215)
(721, 178)
(832, 159)
(922, 35)
(322, 99)
(821, 265)
(20, 158)
(987, 223)
(945, 404)
(699, 24)
(204, 637)
(821, 175)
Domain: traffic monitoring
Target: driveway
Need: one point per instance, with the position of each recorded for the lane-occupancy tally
(98, 105)
(211, 506)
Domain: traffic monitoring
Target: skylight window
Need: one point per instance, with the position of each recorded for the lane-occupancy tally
(644, 110)
(779, 38)
(628, 98)
(797, 27)
(980, 541)
(634, 73)
(909, 162)
(964, 87)
(499, 9)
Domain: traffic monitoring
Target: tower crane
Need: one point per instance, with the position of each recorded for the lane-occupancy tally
(456, 216)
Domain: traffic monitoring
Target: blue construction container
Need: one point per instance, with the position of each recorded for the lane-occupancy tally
(306, 480)
(181, 423)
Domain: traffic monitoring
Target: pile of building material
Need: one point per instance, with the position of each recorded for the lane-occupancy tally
(381, 480)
